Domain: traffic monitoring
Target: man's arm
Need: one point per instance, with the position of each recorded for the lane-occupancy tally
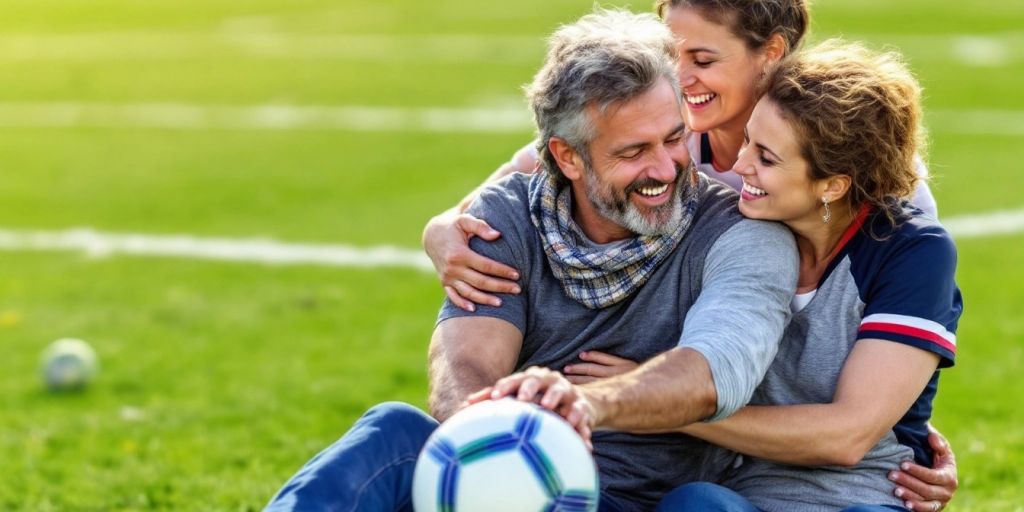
(674, 388)
(467, 354)
(729, 338)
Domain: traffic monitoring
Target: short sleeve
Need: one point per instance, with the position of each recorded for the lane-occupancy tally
(914, 299)
(503, 205)
(739, 292)
(923, 197)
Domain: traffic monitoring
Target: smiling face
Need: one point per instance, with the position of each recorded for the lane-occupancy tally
(717, 71)
(637, 156)
(777, 183)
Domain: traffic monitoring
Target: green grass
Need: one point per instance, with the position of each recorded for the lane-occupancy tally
(218, 380)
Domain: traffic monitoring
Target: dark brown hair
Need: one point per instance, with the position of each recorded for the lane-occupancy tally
(753, 21)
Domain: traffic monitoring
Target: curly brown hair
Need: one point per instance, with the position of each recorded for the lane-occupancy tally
(753, 21)
(857, 113)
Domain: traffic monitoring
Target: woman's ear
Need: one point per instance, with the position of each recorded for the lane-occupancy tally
(775, 48)
(567, 158)
(836, 187)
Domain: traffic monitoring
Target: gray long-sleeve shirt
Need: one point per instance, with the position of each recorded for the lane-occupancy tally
(724, 292)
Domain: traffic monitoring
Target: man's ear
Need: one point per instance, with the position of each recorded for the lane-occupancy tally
(567, 158)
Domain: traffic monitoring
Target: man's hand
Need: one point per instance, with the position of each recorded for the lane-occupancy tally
(552, 391)
(928, 489)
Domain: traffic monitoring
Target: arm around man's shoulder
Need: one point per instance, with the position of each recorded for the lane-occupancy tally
(504, 205)
(749, 279)
(471, 350)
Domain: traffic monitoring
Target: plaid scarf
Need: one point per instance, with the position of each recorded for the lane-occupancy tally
(598, 277)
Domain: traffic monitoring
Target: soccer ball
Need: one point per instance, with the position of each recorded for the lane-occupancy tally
(68, 364)
(505, 455)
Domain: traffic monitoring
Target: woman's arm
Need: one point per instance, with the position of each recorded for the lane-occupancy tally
(525, 161)
(468, 278)
(879, 382)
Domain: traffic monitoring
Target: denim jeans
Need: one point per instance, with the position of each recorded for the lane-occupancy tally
(370, 468)
(705, 496)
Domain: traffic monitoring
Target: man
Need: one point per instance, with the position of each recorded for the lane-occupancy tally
(623, 248)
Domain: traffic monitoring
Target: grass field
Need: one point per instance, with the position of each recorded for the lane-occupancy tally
(219, 379)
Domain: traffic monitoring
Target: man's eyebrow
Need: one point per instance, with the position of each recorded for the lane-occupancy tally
(678, 130)
(630, 147)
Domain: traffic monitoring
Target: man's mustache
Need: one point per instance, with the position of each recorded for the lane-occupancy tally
(651, 182)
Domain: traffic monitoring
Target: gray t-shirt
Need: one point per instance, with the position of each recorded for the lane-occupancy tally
(724, 292)
(897, 287)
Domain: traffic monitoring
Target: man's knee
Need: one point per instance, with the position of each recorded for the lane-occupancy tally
(399, 418)
(372, 464)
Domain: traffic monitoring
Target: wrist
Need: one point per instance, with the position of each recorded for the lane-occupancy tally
(439, 221)
(600, 405)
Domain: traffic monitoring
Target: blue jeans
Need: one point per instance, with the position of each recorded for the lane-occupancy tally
(705, 496)
(370, 468)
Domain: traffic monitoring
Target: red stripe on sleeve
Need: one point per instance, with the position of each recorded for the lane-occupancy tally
(910, 331)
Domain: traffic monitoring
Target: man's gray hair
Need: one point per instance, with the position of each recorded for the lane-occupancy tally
(605, 58)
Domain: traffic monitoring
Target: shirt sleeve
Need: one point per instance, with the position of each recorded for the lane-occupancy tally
(915, 299)
(736, 323)
(505, 211)
(923, 197)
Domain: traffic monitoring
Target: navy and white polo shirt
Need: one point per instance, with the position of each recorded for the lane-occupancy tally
(884, 283)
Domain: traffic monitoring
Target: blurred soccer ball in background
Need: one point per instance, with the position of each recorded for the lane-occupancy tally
(68, 364)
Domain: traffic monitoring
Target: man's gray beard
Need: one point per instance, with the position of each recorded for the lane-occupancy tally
(663, 220)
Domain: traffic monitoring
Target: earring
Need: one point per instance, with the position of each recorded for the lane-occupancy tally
(828, 213)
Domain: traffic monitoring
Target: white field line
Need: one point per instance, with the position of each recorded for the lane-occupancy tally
(468, 48)
(976, 122)
(984, 50)
(1003, 222)
(264, 117)
(510, 119)
(99, 245)
(266, 251)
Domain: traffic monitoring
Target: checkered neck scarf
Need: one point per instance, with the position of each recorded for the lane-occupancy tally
(598, 277)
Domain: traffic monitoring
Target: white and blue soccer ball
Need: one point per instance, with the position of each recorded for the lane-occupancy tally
(505, 455)
(68, 364)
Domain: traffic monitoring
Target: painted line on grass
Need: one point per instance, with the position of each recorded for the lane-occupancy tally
(969, 49)
(976, 122)
(1002, 222)
(499, 119)
(135, 46)
(182, 116)
(99, 244)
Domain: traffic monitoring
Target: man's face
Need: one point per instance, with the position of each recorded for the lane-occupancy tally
(639, 159)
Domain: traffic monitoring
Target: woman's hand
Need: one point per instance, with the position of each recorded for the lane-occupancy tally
(468, 278)
(928, 489)
(597, 365)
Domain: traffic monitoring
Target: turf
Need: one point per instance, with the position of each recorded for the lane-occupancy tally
(218, 380)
